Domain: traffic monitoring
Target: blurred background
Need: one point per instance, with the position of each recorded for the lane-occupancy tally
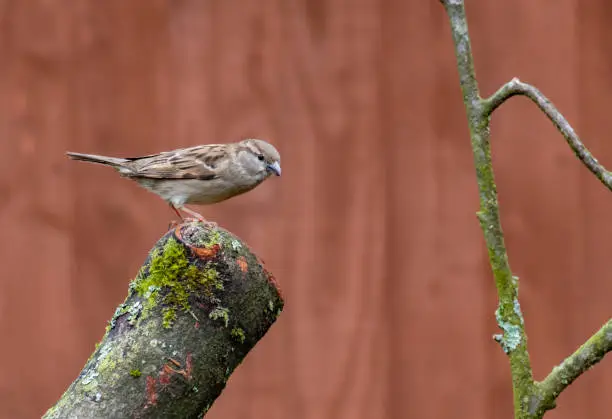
(371, 230)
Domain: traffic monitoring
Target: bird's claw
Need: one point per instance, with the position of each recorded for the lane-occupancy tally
(207, 224)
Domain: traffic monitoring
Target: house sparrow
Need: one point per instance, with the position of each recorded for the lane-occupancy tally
(200, 175)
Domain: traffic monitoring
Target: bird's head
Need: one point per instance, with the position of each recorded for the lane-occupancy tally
(259, 158)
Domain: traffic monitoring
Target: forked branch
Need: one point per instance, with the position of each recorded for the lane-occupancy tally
(531, 399)
(514, 88)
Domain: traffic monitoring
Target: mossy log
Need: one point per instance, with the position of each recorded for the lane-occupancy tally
(199, 303)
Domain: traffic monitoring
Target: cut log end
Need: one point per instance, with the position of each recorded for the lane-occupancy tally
(197, 306)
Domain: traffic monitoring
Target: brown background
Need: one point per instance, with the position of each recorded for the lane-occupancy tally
(371, 230)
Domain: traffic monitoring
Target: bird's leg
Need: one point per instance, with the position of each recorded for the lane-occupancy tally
(198, 216)
(174, 223)
(176, 211)
(192, 213)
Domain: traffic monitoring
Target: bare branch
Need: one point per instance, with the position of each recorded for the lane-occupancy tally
(515, 88)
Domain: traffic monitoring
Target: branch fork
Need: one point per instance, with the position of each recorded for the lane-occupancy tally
(532, 399)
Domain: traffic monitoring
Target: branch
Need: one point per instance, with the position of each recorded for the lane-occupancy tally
(514, 88)
(531, 399)
(572, 367)
(508, 314)
(198, 305)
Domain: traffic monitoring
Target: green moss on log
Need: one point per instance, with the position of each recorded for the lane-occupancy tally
(197, 306)
(170, 279)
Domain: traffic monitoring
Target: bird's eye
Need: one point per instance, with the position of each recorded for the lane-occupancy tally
(260, 157)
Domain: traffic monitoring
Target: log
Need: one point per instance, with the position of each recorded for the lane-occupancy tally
(197, 306)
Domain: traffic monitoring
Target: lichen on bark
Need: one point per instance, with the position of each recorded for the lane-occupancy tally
(165, 352)
(531, 399)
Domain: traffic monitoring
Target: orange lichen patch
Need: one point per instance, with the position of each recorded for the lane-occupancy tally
(274, 282)
(167, 370)
(164, 374)
(206, 252)
(242, 263)
(151, 394)
(202, 252)
(188, 366)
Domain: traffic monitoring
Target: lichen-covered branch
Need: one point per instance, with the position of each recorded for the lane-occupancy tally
(508, 314)
(589, 354)
(515, 88)
(531, 399)
(199, 303)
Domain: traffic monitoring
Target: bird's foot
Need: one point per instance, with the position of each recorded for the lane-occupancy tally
(173, 224)
(211, 225)
(195, 217)
(198, 217)
(207, 224)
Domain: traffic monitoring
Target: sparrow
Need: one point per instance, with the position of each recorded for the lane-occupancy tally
(200, 175)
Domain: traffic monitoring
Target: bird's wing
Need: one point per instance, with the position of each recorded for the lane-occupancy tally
(200, 162)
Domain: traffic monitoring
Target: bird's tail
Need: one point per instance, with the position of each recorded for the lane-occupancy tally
(115, 162)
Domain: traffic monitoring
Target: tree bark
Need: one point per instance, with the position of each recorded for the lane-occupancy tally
(198, 305)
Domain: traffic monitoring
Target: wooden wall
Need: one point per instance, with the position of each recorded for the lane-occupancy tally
(371, 230)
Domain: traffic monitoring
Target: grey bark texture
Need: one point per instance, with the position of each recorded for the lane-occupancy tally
(199, 303)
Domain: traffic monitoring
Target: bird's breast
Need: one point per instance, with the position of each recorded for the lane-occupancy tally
(212, 191)
(196, 191)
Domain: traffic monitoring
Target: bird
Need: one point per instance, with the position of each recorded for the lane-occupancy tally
(199, 175)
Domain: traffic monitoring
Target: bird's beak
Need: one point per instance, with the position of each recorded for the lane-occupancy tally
(275, 168)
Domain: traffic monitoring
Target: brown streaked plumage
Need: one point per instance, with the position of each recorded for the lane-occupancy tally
(200, 175)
